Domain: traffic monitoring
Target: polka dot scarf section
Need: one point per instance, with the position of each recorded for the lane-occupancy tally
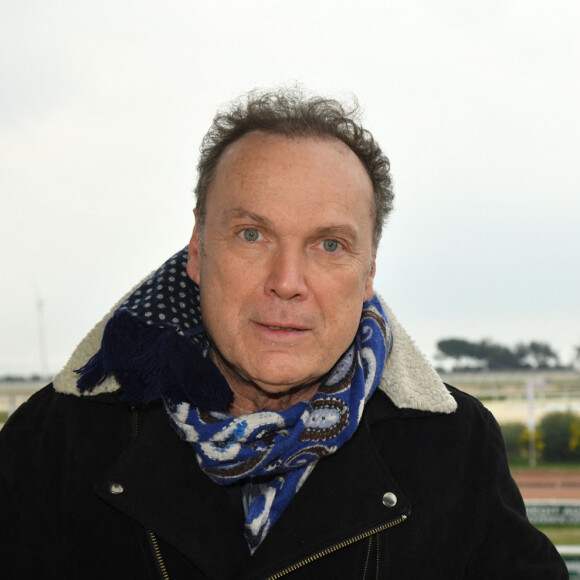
(168, 298)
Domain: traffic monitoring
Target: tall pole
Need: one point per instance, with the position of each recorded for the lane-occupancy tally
(41, 338)
(531, 422)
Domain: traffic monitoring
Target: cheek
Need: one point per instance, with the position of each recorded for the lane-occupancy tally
(224, 288)
(348, 288)
(343, 307)
(229, 281)
(350, 318)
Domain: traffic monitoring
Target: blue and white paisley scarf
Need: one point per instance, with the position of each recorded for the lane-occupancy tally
(155, 346)
(279, 449)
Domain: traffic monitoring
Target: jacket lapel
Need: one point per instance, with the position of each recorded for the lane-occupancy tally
(342, 498)
(158, 483)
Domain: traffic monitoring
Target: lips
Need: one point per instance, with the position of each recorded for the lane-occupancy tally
(281, 331)
(283, 326)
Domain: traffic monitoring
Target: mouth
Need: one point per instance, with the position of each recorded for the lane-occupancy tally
(274, 327)
(274, 330)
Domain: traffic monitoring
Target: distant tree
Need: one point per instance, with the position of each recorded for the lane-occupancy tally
(493, 356)
(487, 353)
(522, 351)
(577, 354)
(538, 442)
(539, 354)
(514, 438)
(499, 357)
(464, 352)
(561, 436)
(456, 348)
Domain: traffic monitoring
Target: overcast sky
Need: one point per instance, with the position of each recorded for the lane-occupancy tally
(103, 106)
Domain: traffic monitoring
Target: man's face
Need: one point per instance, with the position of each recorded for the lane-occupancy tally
(287, 259)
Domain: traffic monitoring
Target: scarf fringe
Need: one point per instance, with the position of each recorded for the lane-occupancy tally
(150, 362)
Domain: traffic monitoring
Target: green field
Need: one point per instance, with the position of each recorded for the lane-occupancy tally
(562, 535)
(522, 463)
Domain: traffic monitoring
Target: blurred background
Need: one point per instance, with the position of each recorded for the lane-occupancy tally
(103, 106)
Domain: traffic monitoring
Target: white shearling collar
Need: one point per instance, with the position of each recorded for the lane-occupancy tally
(409, 380)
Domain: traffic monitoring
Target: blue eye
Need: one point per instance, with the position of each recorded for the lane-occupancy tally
(251, 234)
(330, 245)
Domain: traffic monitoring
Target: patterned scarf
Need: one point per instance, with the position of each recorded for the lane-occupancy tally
(156, 347)
(279, 449)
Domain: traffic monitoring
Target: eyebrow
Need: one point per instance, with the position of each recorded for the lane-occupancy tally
(241, 213)
(337, 230)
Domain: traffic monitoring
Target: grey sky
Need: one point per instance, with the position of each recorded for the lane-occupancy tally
(103, 105)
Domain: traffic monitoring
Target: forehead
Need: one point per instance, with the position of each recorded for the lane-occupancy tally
(294, 169)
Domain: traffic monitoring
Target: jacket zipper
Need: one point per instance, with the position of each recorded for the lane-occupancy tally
(158, 555)
(336, 547)
(285, 571)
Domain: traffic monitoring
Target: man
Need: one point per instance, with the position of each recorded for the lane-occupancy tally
(253, 409)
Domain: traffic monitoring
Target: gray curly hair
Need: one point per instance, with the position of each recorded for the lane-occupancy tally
(289, 112)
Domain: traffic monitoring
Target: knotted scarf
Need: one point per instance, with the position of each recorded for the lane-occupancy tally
(156, 347)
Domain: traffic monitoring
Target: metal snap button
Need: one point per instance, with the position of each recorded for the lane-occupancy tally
(116, 488)
(389, 499)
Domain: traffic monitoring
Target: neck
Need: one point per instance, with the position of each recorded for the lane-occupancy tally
(250, 398)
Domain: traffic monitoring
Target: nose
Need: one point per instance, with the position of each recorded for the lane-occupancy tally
(287, 274)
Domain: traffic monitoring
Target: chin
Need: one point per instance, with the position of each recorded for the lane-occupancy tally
(274, 373)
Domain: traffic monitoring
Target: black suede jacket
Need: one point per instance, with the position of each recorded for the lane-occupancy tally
(93, 489)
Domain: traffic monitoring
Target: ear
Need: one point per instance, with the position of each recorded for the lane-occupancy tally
(369, 289)
(194, 256)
